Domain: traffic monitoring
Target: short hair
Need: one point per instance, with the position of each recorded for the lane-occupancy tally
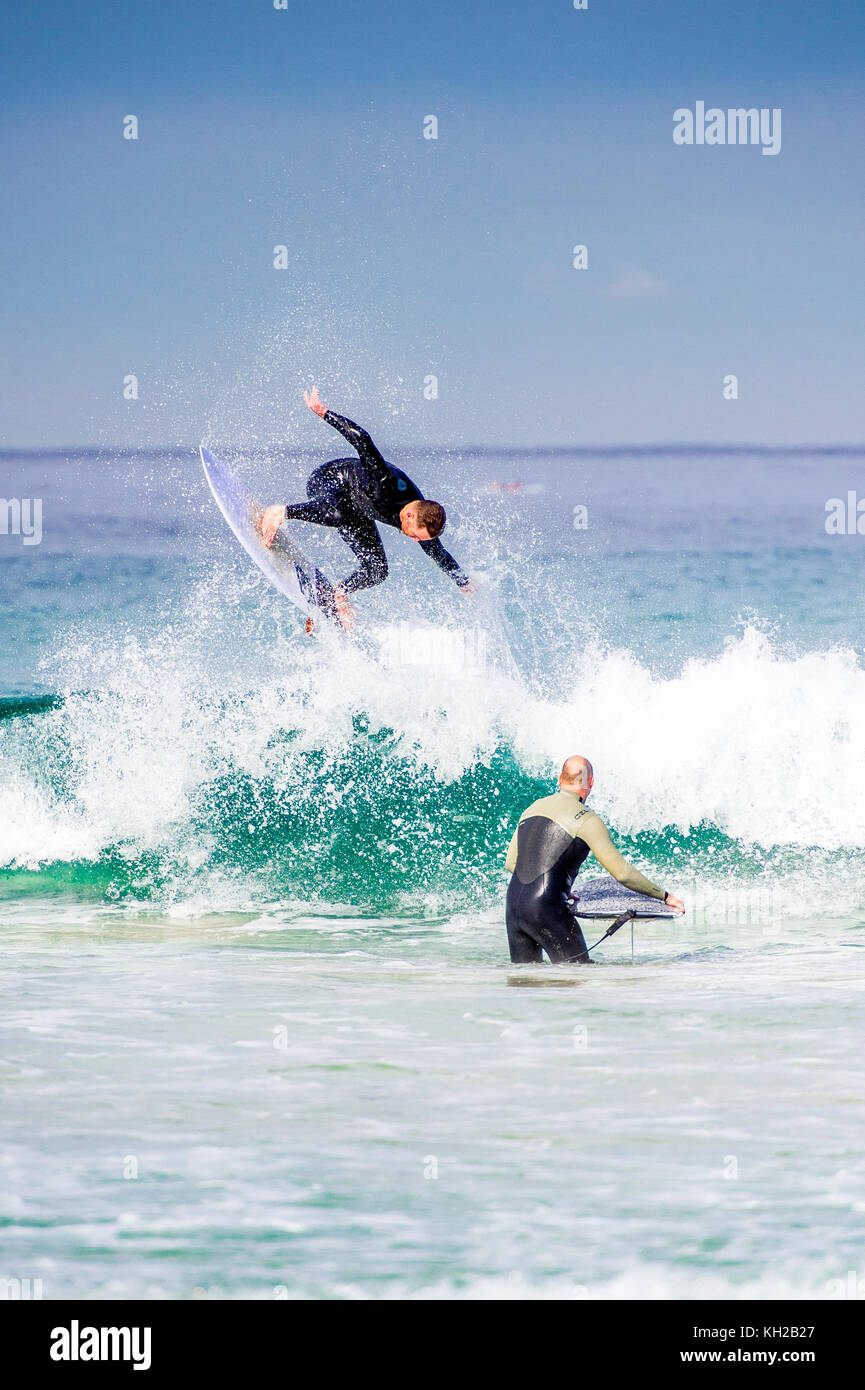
(432, 517)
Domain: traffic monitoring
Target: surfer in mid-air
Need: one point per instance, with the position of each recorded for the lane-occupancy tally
(353, 494)
(552, 839)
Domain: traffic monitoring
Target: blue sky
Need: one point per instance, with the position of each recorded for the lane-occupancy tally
(409, 257)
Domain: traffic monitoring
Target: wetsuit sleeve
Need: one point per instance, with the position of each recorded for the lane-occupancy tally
(511, 860)
(597, 837)
(445, 561)
(357, 438)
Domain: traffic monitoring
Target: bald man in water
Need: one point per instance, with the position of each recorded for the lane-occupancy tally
(547, 848)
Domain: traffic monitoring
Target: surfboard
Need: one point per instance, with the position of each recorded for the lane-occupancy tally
(604, 897)
(284, 563)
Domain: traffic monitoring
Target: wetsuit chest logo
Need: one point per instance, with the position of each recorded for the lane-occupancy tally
(401, 484)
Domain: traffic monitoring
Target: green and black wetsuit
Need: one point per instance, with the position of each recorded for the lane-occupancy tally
(354, 494)
(549, 845)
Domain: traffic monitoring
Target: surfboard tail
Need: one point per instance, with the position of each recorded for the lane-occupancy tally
(314, 585)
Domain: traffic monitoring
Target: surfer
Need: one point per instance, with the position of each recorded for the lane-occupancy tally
(353, 494)
(553, 837)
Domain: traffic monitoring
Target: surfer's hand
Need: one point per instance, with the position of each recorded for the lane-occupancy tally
(344, 610)
(311, 398)
(468, 588)
(675, 903)
(271, 520)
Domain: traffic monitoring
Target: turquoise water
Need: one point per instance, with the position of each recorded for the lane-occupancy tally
(261, 1035)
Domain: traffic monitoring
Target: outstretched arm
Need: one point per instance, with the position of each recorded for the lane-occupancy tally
(357, 437)
(445, 561)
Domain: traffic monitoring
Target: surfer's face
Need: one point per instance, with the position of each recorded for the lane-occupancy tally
(408, 523)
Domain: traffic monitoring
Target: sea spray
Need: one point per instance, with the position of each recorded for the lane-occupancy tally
(330, 775)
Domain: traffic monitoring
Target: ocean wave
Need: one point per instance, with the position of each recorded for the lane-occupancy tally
(376, 773)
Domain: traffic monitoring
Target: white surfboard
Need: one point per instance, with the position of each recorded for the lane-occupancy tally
(284, 563)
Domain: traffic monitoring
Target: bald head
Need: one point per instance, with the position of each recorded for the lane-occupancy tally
(577, 776)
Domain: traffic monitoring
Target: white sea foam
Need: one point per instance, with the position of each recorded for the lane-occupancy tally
(764, 745)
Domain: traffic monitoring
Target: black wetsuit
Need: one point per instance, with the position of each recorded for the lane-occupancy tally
(537, 912)
(353, 494)
(545, 854)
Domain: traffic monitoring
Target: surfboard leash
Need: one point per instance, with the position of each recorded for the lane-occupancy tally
(619, 922)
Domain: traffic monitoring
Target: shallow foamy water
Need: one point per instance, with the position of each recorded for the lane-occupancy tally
(307, 1106)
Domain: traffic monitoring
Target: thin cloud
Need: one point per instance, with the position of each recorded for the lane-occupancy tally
(634, 283)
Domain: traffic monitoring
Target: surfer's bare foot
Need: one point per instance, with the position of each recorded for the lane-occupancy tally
(311, 398)
(344, 610)
(271, 520)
